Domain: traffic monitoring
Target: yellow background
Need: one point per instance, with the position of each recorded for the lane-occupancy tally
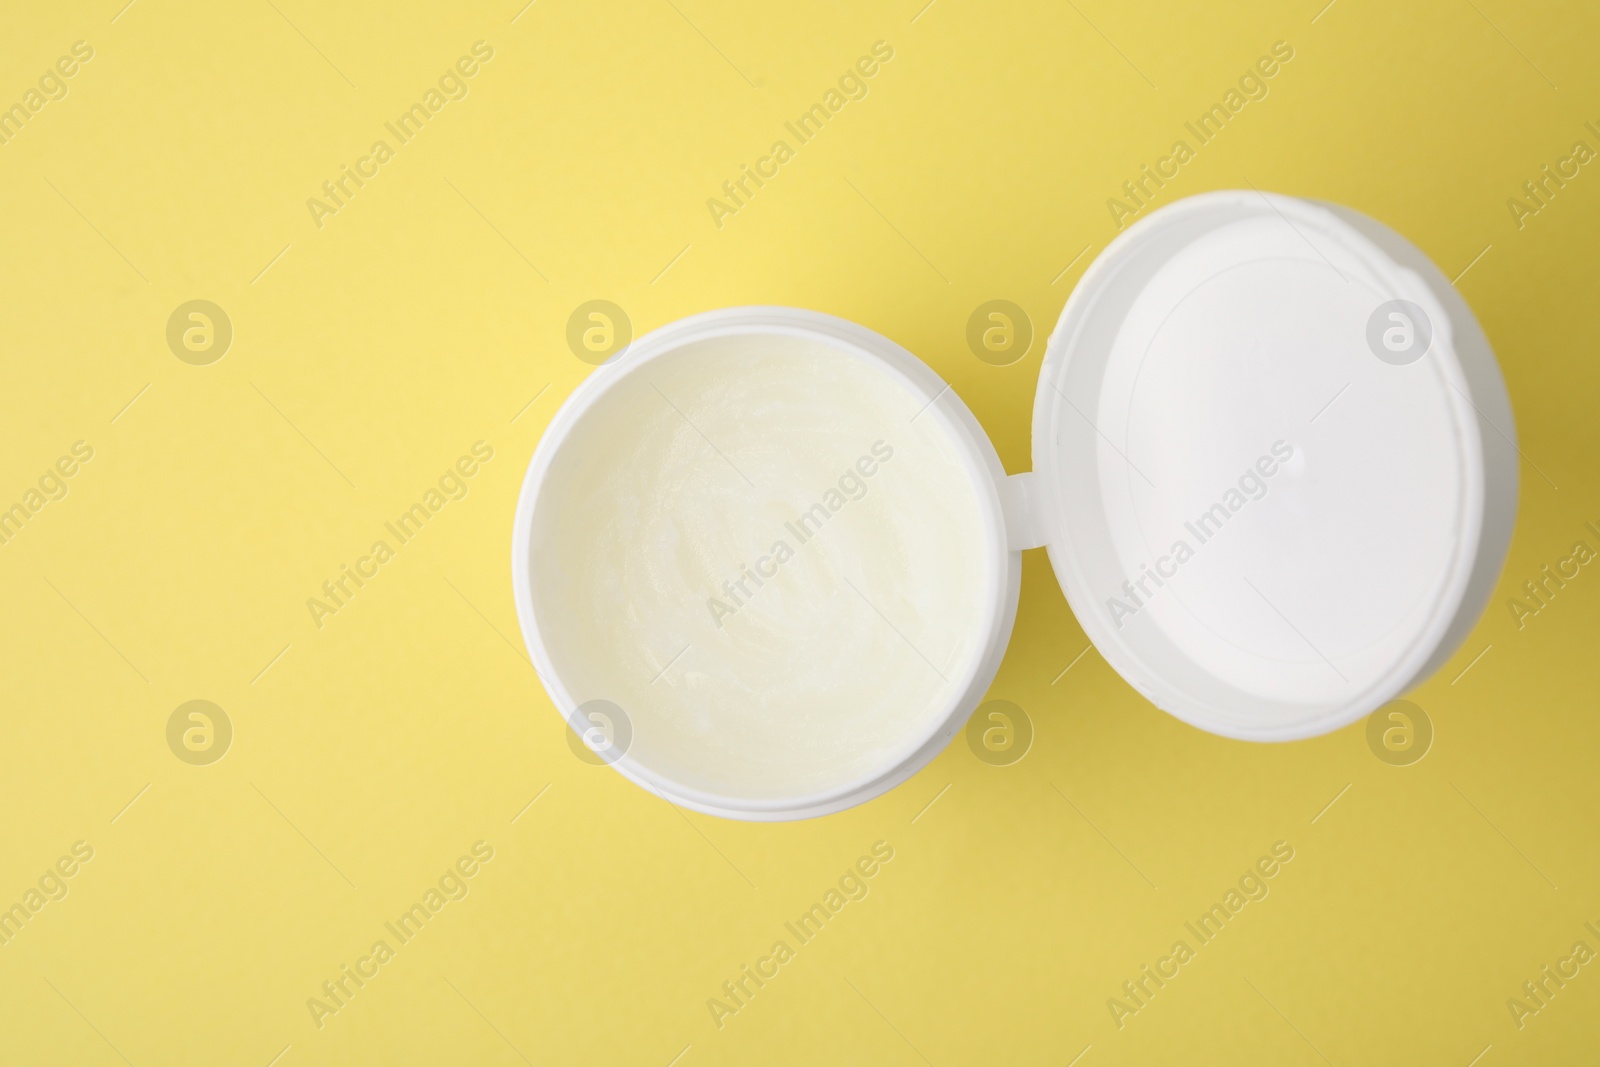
(371, 352)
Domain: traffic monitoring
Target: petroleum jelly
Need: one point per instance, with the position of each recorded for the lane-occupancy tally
(767, 552)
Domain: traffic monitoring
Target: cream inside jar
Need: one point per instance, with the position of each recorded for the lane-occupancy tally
(768, 550)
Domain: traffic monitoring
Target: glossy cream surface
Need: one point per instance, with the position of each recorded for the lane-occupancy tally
(770, 557)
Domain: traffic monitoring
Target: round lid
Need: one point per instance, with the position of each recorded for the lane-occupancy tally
(1274, 463)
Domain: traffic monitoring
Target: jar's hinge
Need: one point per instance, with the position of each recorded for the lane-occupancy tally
(1021, 500)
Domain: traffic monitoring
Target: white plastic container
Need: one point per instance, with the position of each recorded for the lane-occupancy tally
(1289, 390)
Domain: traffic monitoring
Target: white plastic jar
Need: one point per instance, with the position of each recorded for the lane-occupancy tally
(776, 558)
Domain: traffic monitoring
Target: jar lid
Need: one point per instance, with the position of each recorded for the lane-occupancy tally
(1273, 463)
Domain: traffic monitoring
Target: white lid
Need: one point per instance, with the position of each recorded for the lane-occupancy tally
(1275, 497)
